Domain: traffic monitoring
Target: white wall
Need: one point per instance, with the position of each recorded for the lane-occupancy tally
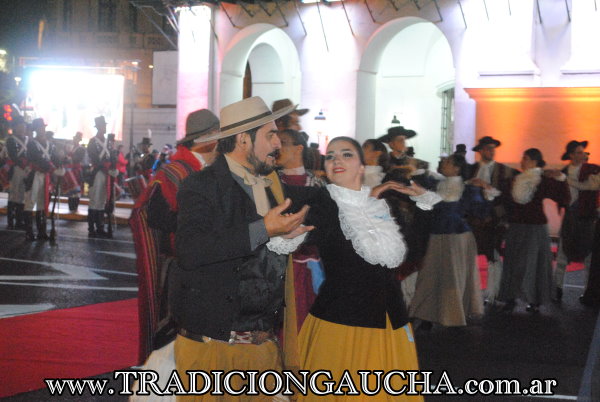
(414, 64)
(273, 62)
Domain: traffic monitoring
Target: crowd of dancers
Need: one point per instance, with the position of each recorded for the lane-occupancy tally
(249, 235)
(387, 240)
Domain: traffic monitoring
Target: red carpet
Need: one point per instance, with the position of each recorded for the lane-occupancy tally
(71, 343)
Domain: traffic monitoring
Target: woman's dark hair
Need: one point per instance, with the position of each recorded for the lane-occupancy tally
(536, 155)
(354, 143)
(227, 144)
(283, 121)
(299, 139)
(379, 146)
(460, 162)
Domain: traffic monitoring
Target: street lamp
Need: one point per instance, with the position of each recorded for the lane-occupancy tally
(132, 68)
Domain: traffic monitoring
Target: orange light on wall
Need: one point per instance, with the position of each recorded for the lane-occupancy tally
(544, 118)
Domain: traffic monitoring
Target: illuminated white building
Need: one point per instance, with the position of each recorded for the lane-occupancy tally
(524, 71)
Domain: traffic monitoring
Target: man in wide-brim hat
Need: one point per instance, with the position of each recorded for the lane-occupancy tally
(290, 120)
(157, 209)
(399, 158)
(229, 286)
(485, 142)
(577, 227)
(493, 179)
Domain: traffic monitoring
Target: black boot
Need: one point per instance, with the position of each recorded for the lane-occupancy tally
(91, 220)
(10, 215)
(20, 223)
(28, 221)
(73, 203)
(40, 221)
(100, 224)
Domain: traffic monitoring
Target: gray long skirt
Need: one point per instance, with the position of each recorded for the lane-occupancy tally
(448, 289)
(527, 264)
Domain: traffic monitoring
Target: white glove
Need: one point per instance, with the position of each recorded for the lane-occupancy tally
(113, 172)
(60, 172)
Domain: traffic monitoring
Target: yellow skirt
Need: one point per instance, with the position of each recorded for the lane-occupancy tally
(328, 346)
(214, 355)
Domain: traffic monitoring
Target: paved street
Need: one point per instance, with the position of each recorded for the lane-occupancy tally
(78, 271)
(75, 271)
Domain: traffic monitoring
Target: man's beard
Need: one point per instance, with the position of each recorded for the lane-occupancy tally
(262, 168)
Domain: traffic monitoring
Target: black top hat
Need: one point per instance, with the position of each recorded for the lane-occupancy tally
(110, 137)
(394, 132)
(198, 124)
(37, 123)
(571, 146)
(99, 121)
(487, 140)
(410, 151)
(146, 141)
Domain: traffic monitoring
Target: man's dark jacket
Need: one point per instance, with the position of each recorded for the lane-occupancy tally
(221, 284)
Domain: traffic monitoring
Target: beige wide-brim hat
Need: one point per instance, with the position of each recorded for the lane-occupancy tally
(245, 115)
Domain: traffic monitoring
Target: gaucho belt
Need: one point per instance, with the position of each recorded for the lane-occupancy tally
(236, 337)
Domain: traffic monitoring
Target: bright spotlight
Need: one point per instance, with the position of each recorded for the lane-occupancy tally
(69, 99)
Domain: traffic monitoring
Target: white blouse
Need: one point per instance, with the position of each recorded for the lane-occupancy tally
(365, 221)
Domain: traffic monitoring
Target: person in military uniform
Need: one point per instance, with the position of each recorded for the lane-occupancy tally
(16, 145)
(74, 164)
(147, 159)
(99, 155)
(43, 162)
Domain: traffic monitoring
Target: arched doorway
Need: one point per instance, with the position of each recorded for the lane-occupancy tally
(407, 71)
(273, 63)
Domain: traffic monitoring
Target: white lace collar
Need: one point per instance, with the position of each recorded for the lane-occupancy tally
(367, 223)
(451, 188)
(526, 184)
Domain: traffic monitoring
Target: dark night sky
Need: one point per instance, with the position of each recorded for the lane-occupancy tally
(19, 25)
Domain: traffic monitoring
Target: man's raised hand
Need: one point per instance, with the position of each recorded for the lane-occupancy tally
(278, 224)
